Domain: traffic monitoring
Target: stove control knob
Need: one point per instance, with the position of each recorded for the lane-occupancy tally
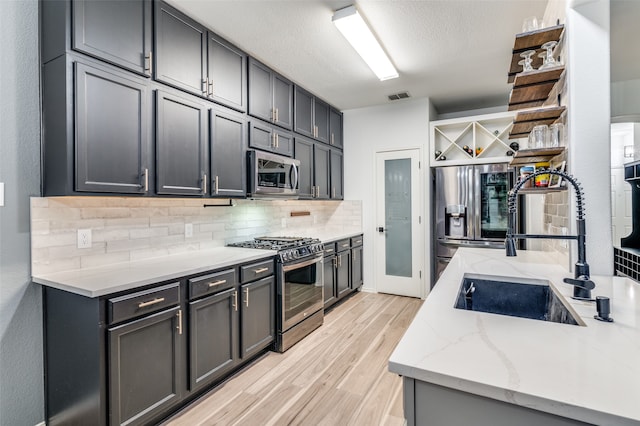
(295, 254)
(284, 256)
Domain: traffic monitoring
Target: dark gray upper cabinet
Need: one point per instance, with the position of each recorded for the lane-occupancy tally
(270, 95)
(196, 60)
(228, 147)
(181, 50)
(337, 175)
(257, 316)
(270, 138)
(322, 171)
(304, 153)
(213, 337)
(115, 31)
(111, 134)
(311, 116)
(335, 128)
(227, 73)
(181, 145)
(145, 374)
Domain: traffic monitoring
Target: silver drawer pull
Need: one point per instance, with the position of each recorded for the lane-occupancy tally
(215, 283)
(345, 245)
(261, 270)
(150, 302)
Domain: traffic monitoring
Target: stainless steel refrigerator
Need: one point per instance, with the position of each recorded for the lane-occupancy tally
(470, 209)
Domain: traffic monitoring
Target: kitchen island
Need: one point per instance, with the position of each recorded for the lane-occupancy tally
(466, 367)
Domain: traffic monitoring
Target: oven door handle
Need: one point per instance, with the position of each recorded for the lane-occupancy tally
(293, 266)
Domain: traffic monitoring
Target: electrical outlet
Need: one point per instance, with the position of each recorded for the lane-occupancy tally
(84, 238)
(188, 230)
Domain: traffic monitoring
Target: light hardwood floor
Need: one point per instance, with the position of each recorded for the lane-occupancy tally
(335, 376)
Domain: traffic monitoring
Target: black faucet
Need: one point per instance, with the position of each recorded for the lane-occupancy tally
(582, 284)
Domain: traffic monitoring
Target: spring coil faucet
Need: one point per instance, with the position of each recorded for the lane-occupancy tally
(582, 284)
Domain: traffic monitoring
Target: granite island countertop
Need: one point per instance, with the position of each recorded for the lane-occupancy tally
(108, 279)
(589, 373)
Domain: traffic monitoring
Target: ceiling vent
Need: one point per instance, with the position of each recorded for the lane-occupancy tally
(397, 96)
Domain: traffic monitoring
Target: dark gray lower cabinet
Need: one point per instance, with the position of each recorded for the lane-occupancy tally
(356, 268)
(145, 367)
(330, 294)
(181, 145)
(213, 337)
(342, 269)
(257, 316)
(343, 276)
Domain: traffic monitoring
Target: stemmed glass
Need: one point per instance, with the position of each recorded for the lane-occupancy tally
(549, 60)
(526, 62)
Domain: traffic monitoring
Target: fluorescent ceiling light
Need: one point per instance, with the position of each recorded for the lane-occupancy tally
(356, 31)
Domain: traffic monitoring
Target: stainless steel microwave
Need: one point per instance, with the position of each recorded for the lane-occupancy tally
(271, 175)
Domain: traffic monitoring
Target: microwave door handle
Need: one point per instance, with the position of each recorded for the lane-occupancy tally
(294, 184)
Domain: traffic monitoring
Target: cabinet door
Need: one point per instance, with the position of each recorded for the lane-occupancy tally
(228, 153)
(260, 91)
(356, 268)
(111, 134)
(321, 170)
(181, 145)
(283, 101)
(335, 128)
(330, 294)
(213, 337)
(117, 32)
(261, 136)
(227, 74)
(284, 142)
(342, 273)
(145, 368)
(321, 120)
(258, 316)
(304, 112)
(304, 152)
(337, 174)
(180, 50)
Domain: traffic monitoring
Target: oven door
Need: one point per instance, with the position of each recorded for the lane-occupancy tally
(301, 289)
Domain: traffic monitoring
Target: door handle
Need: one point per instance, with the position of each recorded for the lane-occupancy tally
(380, 229)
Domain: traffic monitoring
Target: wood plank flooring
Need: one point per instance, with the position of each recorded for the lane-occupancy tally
(335, 376)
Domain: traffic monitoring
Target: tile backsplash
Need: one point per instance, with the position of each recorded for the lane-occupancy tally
(126, 229)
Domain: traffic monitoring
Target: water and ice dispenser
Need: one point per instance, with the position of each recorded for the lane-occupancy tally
(455, 225)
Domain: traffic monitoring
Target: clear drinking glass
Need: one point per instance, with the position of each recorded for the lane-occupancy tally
(539, 136)
(530, 24)
(556, 135)
(526, 62)
(548, 60)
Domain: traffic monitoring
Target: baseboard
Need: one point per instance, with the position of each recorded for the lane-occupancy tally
(41, 424)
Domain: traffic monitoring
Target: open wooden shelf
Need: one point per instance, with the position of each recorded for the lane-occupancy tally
(533, 87)
(532, 40)
(536, 155)
(525, 121)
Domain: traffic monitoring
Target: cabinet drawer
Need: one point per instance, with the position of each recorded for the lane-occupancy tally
(212, 283)
(143, 302)
(329, 249)
(356, 241)
(255, 271)
(343, 245)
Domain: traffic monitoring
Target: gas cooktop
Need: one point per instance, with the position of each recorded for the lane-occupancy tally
(289, 248)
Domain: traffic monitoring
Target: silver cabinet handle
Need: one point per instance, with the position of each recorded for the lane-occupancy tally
(215, 183)
(148, 63)
(205, 85)
(339, 260)
(332, 139)
(353, 256)
(210, 88)
(235, 300)
(179, 315)
(335, 262)
(345, 245)
(277, 115)
(277, 137)
(333, 192)
(246, 300)
(273, 114)
(313, 191)
(215, 283)
(318, 191)
(261, 270)
(145, 180)
(204, 183)
(150, 302)
(273, 140)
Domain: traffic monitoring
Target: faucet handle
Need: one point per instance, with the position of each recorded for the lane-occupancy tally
(582, 282)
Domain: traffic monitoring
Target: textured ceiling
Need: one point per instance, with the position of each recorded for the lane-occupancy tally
(456, 52)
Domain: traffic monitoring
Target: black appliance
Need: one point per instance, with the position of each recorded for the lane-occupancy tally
(299, 280)
(271, 175)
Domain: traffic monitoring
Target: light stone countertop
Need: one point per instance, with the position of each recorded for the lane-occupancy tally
(589, 373)
(100, 281)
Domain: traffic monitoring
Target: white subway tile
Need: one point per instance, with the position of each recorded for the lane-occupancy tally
(93, 261)
(128, 222)
(148, 232)
(128, 245)
(105, 212)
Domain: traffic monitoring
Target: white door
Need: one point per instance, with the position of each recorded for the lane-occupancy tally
(399, 242)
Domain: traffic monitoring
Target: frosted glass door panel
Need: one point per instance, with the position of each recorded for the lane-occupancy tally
(398, 217)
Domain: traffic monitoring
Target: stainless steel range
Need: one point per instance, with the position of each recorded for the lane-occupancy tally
(300, 285)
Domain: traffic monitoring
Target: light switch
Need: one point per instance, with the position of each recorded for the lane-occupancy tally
(1, 194)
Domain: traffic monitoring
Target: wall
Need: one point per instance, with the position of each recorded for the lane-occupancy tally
(130, 229)
(397, 125)
(625, 99)
(21, 381)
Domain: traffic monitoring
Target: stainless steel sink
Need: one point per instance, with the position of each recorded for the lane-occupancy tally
(516, 297)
